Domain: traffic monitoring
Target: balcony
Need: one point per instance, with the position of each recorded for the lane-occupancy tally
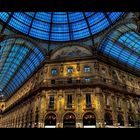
(88, 106)
(94, 81)
(69, 107)
(51, 108)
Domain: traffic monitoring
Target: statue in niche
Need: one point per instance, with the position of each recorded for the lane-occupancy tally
(110, 71)
(46, 69)
(96, 66)
(124, 81)
(116, 76)
(130, 81)
(103, 70)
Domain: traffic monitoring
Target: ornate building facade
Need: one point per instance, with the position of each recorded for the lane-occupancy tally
(78, 86)
(75, 93)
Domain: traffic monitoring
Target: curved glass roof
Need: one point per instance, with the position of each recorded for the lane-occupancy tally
(18, 60)
(60, 26)
(123, 44)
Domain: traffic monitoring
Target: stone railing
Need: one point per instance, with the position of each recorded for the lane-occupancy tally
(81, 82)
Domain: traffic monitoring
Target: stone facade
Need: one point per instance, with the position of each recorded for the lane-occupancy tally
(75, 89)
(75, 92)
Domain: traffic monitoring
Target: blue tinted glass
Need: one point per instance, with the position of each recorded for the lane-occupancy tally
(4, 16)
(41, 24)
(19, 25)
(14, 55)
(123, 45)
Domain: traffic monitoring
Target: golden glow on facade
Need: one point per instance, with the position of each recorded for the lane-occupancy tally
(85, 91)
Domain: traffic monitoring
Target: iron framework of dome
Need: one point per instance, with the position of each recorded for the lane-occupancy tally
(60, 26)
(123, 45)
(20, 58)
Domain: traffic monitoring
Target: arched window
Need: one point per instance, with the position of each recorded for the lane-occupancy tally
(120, 120)
(50, 121)
(108, 119)
(131, 121)
(89, 120)
(69, 121)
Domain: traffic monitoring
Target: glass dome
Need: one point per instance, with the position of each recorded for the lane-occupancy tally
(60, 26)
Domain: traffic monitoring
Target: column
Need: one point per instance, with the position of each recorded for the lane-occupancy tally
(79, 119)
(114, 110)
(125, 112)
(99, 108)
(34, 114)
(61, 109)
(42, 109)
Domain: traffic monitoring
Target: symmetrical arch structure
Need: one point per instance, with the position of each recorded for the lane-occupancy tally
(73, 84)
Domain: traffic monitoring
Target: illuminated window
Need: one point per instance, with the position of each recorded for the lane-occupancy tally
(87, 79)
(54, 72)
(87, 69)
(70, 70)
(69, 101)
(88, 100)
(51, 102)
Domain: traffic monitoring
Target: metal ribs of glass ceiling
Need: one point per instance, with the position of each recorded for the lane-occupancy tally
(60, 26)
(123, 44)
(18, 62)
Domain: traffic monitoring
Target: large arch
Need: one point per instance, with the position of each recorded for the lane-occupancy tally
(69, 120)
(50, 121)
(89, 120)
(131, 120)
(120, 119)
(108, 119)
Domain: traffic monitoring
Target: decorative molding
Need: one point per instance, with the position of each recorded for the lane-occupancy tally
(71, 52)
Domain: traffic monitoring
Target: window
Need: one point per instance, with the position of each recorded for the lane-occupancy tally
(70, 70)
(54, 72)
(69, 101)
(88, 100)
(87, 69)
(51, 102)
(52, 81)
(69, 80)
(87, 79)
